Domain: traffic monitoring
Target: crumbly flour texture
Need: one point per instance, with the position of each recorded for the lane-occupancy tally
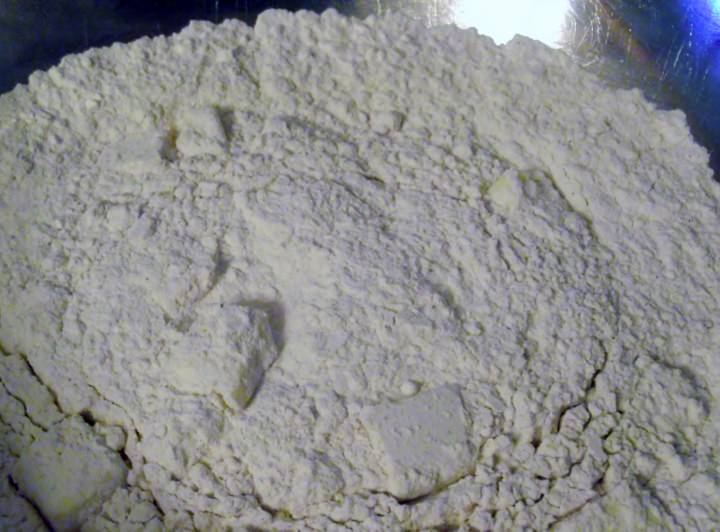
(331, 274)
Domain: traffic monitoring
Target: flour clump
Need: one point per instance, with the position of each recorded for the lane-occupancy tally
(339, 274)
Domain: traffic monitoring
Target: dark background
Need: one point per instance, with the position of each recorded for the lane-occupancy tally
(668, 48)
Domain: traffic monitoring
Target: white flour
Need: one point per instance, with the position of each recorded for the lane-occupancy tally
(330, 274)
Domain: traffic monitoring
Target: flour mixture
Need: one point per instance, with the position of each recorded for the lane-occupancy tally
(341, 275)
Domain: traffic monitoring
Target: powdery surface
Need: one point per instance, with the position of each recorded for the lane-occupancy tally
(331, 274)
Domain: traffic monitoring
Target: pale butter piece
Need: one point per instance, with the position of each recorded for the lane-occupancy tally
(201, 132)
(68, 473)
(138, 153)
(506, 191)
(423, 441)
(226, 351)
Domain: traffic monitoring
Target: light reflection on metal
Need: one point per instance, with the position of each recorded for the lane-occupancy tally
(715, 7)
(502, 20)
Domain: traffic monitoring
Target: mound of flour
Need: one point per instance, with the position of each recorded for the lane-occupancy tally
(331, 274)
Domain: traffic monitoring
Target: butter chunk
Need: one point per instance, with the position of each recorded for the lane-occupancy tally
(423, 441)
(506, 192)
(137, 154)
(226, 351)
(201, 132)
(68, 473)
